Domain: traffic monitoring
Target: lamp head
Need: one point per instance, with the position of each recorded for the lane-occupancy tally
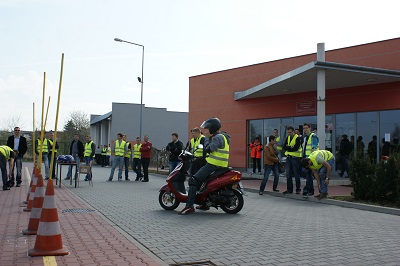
(117, 40)
(139, 79)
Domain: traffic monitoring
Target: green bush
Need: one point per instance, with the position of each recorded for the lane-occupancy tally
(378, 182)
(386, 179)
(362, 175)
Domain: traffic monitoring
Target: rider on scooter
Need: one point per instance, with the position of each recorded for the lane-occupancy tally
(216, 145)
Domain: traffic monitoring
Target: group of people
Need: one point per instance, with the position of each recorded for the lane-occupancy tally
(123, 151)
(303, 158)
(346, 150)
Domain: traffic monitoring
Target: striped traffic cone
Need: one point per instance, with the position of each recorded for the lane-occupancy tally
(34, 173)
(48, 238)
(32, 194)
(36, 208)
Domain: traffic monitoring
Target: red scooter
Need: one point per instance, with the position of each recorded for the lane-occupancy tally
(221, 189)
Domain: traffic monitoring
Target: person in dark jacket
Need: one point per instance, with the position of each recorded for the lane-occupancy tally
(346, 147)
(174, 148)
(385, 147)
(76, 150)
(19, 146)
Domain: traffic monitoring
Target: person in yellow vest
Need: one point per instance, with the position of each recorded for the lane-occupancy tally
(216, 145)
(108, 155)
(89, 154)
(198, 138)
(310, 144)
(104, 155)
(320, 162)
(45, 155)
(292, 148)
(127, 157)
(278, 144)
(50, 140)
(6, 154)
(136, 162)
(119, 150)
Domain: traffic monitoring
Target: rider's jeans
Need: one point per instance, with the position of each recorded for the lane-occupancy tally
(200, 176)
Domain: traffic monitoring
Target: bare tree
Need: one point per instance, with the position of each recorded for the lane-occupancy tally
(11, 122)
(80, 120)
(76, 122)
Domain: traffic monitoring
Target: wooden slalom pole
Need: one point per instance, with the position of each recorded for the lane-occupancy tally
(40, 160)
(55, 127)
(34, 139)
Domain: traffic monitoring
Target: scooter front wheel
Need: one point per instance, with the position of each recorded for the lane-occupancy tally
(168, 200)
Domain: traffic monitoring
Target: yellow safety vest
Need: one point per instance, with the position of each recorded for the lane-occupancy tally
(103, 151)
(219, 157)
(120, 149)
(292, 142)
(51, 143)
(308, 148)
(45, 147)
(136, 151)
(88, 149)
(327, 155)
(277, 139)
(108, 151)
(194, 144)
(129, 152)
(5, 150)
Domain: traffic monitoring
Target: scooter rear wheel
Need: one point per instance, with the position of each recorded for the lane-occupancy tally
(168, 200)
(235, 204)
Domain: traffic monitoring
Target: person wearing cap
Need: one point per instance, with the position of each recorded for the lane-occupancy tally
(6, 154)
(216, 145)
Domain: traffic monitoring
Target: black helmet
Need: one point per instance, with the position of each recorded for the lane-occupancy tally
(212, 124)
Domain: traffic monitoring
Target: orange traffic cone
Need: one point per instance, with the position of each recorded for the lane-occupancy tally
(34, 172)
(32, 194)
(36, 208)
(48, 238)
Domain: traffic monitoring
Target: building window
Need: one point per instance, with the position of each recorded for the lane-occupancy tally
(389, 128)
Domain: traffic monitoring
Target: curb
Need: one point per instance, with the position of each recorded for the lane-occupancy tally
(346, 204)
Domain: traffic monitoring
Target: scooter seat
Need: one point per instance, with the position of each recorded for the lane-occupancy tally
(219, 172)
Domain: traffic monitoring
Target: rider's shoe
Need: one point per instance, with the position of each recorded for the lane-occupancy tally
(186, 210)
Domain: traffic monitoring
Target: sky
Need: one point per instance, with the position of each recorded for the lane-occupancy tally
(182, 38)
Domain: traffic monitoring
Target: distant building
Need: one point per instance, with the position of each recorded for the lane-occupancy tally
(124, 118)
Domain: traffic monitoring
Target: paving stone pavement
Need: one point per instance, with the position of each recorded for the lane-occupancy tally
(268, 231)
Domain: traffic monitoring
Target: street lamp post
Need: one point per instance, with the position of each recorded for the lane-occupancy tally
(140, 79)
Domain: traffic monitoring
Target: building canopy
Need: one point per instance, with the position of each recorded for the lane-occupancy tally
(304, 79)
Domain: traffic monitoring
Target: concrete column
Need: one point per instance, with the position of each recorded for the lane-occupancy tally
(321, 97)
